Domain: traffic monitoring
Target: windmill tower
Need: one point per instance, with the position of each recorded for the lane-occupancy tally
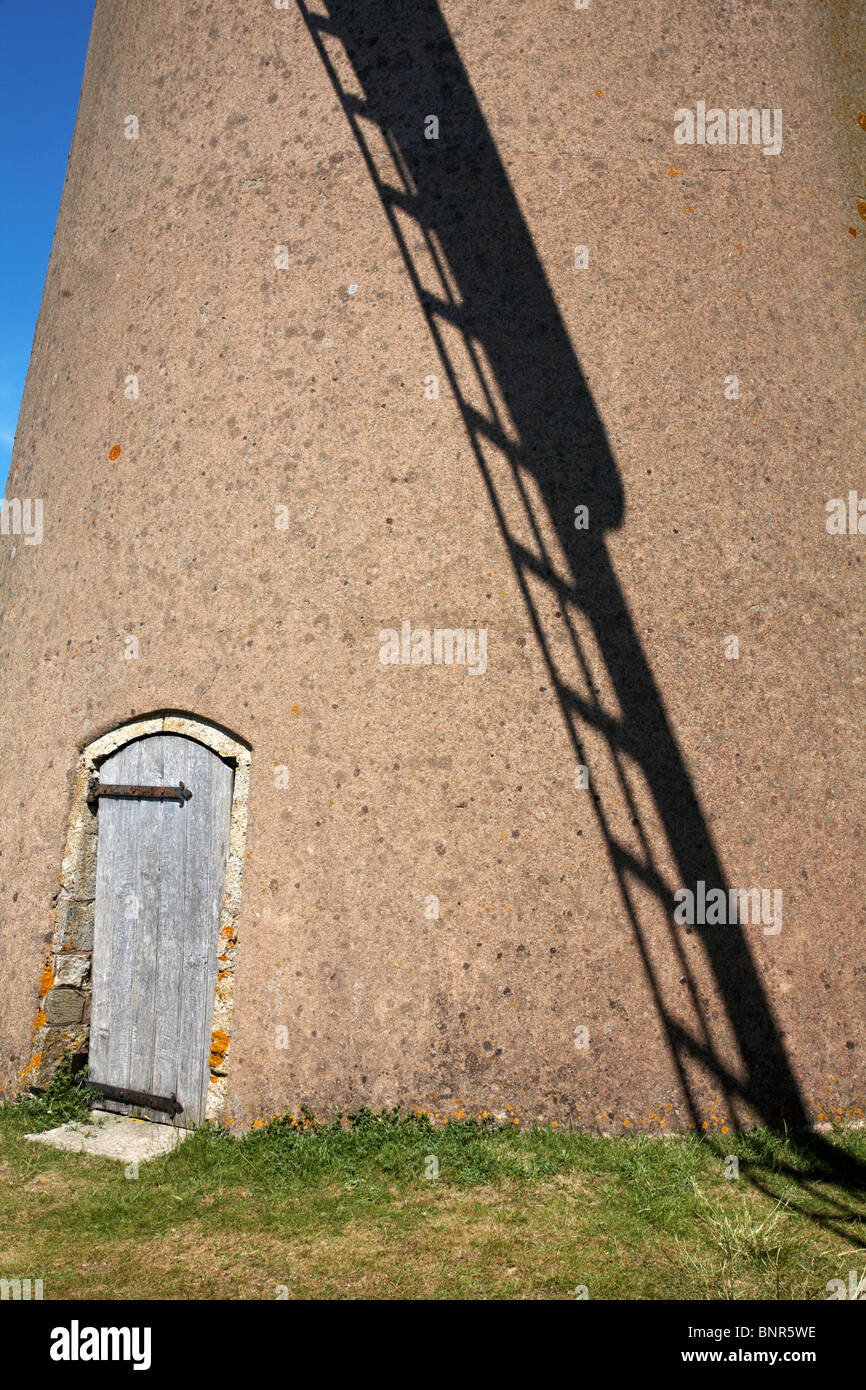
(339, 386)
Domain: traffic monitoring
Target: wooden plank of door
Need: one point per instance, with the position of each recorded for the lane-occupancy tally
(122, 766)
(173, 894)
(148, 821)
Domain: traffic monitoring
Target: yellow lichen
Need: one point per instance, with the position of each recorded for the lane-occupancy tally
(219, 1046)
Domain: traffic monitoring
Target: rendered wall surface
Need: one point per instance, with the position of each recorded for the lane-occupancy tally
(281, 484)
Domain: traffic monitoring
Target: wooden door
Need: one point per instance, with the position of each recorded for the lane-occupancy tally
(160, 880)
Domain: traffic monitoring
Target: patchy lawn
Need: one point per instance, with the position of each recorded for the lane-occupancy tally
(355, 1212)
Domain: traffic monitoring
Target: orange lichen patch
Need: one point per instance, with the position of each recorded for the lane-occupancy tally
(114, 452)
(39, 1020)
(861, 207)
(861, 120)
(227, 931)
(47, 980)
(296, 709)
(32, 1066)
(853, 231)
(219, 1046)
(674, 172)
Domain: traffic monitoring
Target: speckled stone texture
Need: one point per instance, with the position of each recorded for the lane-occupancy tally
(286, 484)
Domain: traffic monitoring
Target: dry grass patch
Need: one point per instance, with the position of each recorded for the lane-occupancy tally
(347, 1212)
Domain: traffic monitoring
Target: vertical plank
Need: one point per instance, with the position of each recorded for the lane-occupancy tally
(148, 819)
(103, 929)
(123, 766)
(166, 1064)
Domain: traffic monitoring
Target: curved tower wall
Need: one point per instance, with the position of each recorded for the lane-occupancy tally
(248, 475)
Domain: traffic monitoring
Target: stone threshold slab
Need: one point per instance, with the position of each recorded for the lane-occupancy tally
(123, 1137)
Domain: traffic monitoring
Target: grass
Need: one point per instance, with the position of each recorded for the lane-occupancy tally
(347, 1211)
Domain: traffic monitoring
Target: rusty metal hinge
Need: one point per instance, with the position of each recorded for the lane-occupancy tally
(96, 789)
(121, 1093)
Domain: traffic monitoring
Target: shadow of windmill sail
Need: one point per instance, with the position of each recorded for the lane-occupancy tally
(543, 453)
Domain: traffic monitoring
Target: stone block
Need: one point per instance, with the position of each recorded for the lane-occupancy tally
(75, 925)
(71, 969)
(64, 1005)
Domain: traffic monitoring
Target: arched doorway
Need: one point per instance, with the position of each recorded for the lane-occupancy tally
(147, 918)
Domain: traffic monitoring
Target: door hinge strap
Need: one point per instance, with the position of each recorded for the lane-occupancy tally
(96, 789)
(121, 1093)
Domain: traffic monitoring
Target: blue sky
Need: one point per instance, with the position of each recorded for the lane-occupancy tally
(43, 44)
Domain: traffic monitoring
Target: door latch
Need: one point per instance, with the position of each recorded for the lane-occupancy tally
(96, 789)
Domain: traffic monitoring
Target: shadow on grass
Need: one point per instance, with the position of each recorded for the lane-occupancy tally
(820, 1179)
